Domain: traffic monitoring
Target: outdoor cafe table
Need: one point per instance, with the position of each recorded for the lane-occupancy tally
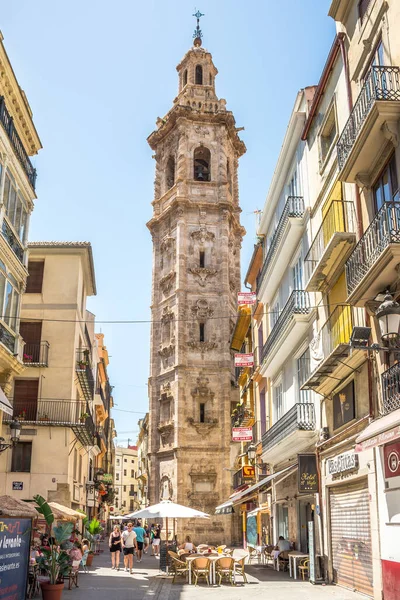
(213, 559)
(295, 556)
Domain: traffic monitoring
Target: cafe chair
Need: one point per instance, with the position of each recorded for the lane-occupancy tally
(73, 573)
(201, 568)
(283, 560)
(268, 554)
(239, 568)
(304, 567)
(224, 568)
(174, 554)
(178, 568)
(252, 553)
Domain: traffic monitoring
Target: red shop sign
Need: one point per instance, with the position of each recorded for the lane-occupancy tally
(392, 459)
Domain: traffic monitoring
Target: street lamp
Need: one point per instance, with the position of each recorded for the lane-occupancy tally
(15, 427)
(388, 315)
(251, 452)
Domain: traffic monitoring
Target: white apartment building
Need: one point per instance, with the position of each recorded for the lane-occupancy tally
(125, 480)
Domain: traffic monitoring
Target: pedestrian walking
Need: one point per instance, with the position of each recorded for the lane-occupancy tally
(128, 542)
(140, 534)
(157, 540)
(146, 539)
(115, 547)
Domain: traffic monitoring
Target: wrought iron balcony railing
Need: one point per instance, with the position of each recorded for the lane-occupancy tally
(391, 389)
(340, 217)
(339, 326)
(36, 355)
(57, 413)
(294, 207)
(12, 240)
(383, 230)
(300, 417)
(8, 123)
(381, 83)
(298, 303)
(84, 371)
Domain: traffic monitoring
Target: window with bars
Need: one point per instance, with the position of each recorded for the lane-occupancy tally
(303, 373)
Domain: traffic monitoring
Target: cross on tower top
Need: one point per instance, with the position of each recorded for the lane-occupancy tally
(197, 32)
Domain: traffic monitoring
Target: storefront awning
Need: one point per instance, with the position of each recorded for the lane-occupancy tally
(381, 431)
(260, 509)
(5, 404)
(225, 509)
(256, 487)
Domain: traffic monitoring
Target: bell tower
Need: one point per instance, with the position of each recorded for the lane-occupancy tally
(197, 237)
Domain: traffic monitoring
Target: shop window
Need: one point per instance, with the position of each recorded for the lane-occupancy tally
(202, 161)
(21, 457)
(344, 406)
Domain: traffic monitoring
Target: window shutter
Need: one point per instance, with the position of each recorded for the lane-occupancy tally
(35, 278)
(31, 331)
(25, 398)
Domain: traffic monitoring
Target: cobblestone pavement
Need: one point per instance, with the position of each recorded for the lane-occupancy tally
(147, 582)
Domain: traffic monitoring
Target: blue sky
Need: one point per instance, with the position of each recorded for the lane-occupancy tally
(97, 75)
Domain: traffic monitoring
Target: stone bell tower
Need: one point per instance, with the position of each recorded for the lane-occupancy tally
(197, 237)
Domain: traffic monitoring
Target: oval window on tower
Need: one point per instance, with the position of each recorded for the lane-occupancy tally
(202, 164)
(199, 75)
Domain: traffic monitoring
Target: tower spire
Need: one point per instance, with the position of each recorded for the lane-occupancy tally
(197, 32)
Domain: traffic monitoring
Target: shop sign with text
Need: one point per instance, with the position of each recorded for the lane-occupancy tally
(248, 472)
(242, 434)
(392, 459)
(247, 298)
(307, 474)
(244, 360)
(344, 463)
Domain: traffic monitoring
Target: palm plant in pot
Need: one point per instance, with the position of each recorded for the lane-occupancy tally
(92, 529)
(54, 562)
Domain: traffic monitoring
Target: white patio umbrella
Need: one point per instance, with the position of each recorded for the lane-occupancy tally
(166, 509)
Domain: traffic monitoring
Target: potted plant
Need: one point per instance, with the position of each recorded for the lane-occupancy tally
(44, 417)
(83, 417)
(22, 415)
(92, 529)
(54, 562)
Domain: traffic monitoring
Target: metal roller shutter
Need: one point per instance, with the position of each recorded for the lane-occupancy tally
(351, 536)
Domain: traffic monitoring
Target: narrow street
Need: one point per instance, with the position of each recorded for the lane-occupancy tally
(102, 583)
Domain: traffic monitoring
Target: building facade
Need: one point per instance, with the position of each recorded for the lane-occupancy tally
(54, 397)
(126, 480)
(18, 142)
(143, 461)
(196, 275)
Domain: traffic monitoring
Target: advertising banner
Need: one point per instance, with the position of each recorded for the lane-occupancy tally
(307, 473)
(247, 298)
(15, 535)
(244, 360)
(242, 434)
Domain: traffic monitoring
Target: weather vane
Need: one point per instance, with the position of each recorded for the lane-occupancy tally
(197, 32)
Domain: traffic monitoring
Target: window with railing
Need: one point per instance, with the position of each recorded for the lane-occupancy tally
(386, 188)
(277, 394)
(303, 373)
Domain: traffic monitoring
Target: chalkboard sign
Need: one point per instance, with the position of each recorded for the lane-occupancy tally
(15, 535)
(164, 557)
(311, 549)
(307, 474)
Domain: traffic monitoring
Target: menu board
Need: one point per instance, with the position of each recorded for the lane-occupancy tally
(307, 474)
(15, 535)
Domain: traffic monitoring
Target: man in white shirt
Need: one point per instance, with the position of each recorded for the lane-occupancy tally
(282, 546)
(128, 540)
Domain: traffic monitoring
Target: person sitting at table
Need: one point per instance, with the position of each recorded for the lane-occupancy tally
(188, 545)
(281, 546)
(76, 552)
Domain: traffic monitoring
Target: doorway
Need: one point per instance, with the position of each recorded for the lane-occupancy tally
(305, 515)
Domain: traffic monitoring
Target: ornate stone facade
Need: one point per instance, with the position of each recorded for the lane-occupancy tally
(196, 236)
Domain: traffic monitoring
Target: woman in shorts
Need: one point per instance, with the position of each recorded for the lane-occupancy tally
(115, 547)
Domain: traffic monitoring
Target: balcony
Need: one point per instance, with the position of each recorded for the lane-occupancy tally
(242, 416)
(57, 413)
(372, 265)
(292, 433)
(372, 122)
(36, 355)
(331, 350)
(8, 123)
(284, 241)
(12, 240)
(391, 389)
(258, 429)
(331, 246)
(84, 371)
(289, 329)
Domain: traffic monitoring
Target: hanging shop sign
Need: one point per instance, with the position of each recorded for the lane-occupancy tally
(244, 360)
(15, 535)
(391, 453)
(247, 298)
(344, 463)
(242, 434)
(307, 474)
(248, 471)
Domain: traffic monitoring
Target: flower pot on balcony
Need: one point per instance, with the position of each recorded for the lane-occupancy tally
(52, 592)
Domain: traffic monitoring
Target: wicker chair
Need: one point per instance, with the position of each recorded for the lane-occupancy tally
(225, 567)
(252, 553)
(304, 567)
(268, 554)
(201, 568)
(283, 560)
(178, 568)
(239, 568)
(73, 573)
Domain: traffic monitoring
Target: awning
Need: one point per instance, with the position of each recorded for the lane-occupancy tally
(381, 431)
(5, 404)
(239, 497)
(260, 509)
(64, 513)
(225, 509)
